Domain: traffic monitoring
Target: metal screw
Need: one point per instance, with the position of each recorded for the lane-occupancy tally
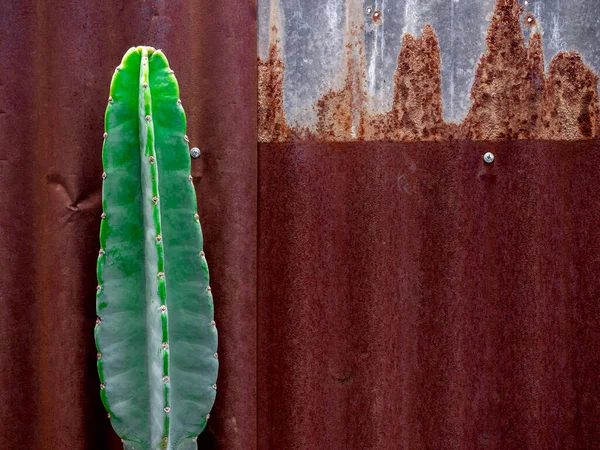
(488, 158)
(165, 379)
(195, 152)
(369, 10)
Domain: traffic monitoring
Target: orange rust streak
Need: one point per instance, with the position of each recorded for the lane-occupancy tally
(511, 98)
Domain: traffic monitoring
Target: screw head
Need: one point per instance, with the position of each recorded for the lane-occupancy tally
(369, 10)
(110, 100)
(148, 118)
(195, 152)
(196, 217)
(102, 386)
(104, 175)
(165, 345)
(167, 409)
(151, 159)
(488, 158)
(145, 85)
(165, 379)
(160, 275)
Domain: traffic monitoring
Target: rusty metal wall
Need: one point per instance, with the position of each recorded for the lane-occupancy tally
(56, 63)
(413, 297)
(369, 295)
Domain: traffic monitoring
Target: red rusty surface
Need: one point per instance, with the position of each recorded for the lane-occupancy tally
(413, 297)
(511, 98)
(55, 70)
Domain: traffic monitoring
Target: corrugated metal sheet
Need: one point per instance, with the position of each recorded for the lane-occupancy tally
(55, 71)
(413, 297)
(369, 295)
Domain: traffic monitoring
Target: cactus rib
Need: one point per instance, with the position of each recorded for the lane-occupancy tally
(155, 333)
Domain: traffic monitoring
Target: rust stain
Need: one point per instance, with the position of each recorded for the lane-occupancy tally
(340, 114)
(506, 96)
(377, 16)
(416, 113)
(272, 125)
(512, 98)
(529, 20)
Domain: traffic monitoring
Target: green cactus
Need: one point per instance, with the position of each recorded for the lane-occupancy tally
(155, 332)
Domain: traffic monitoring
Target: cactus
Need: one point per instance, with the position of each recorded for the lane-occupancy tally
(155, 333)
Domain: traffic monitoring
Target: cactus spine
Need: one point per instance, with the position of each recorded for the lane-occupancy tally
(155, 332)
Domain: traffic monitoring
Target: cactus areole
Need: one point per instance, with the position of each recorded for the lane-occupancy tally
(155, 331)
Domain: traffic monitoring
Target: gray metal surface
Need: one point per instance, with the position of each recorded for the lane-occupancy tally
(313, 34)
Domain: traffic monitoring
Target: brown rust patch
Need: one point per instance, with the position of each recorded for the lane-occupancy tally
(529, 20)
(416, 113)
(377, 16)
(507, 91)
(272, 125)
(511, 98)
(340, 113)
(570, 99)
